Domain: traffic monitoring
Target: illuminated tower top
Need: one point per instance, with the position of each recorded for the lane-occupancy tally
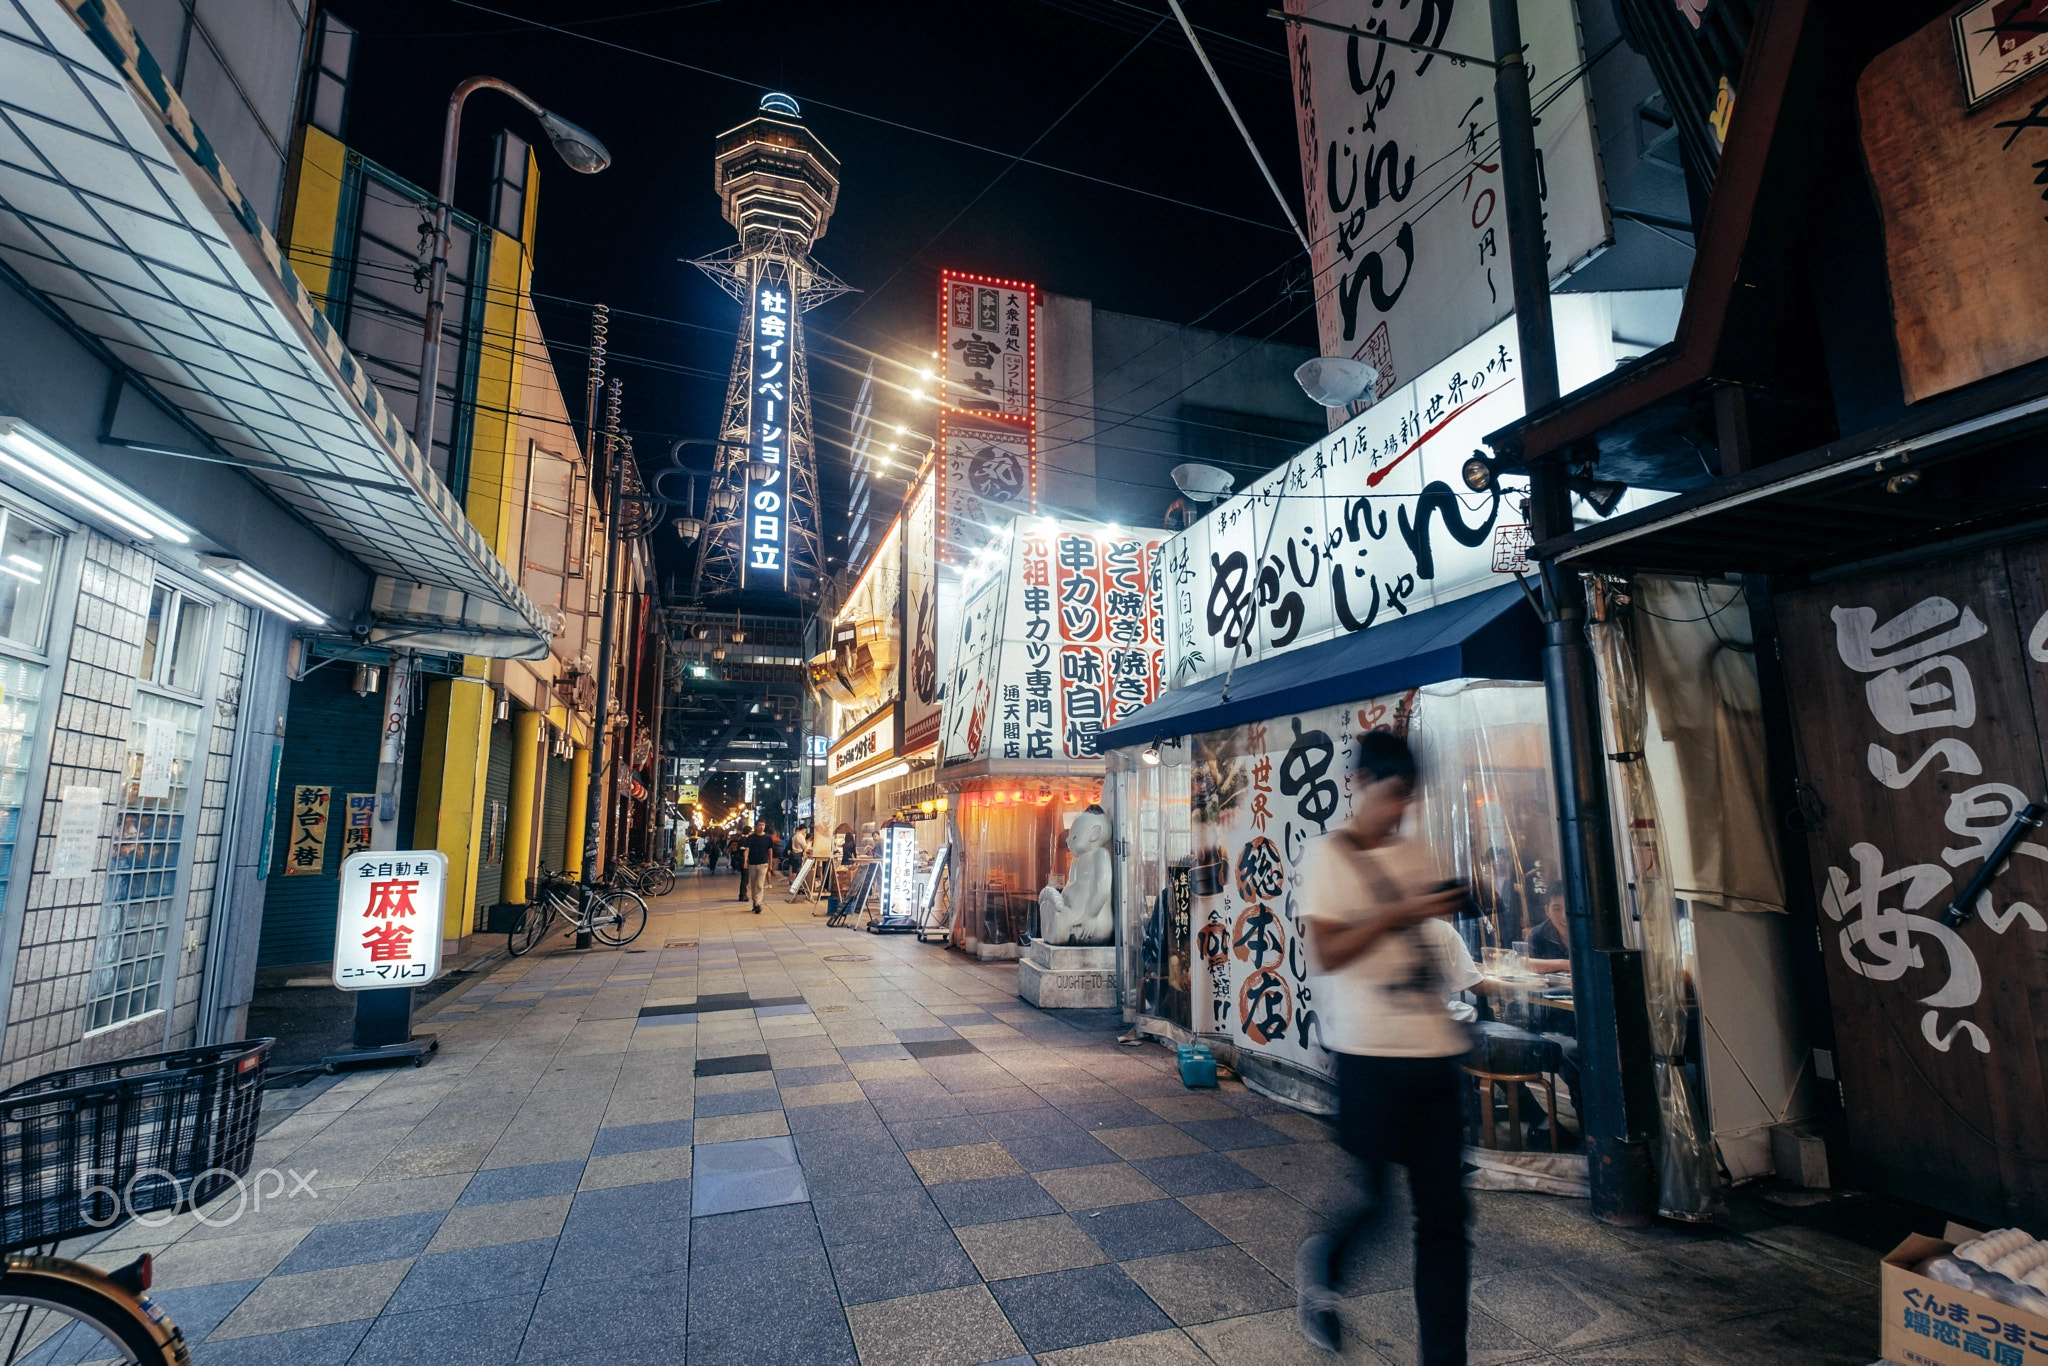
(775, 178)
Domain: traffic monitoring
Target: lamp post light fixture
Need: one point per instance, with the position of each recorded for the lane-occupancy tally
(575, 146)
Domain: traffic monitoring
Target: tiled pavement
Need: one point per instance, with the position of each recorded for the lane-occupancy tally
(753, 1139)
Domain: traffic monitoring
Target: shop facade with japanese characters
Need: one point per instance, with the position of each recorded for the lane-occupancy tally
(1058, 637)
(1360, 586)
(196, 482)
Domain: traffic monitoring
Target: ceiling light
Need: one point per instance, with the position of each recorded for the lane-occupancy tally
(35, 579)
(34, 455)
(251, 587)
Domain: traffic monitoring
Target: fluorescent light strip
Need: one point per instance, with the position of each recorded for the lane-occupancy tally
(52, 469)
(298, 606)
(273, 601)
(895, 770)
(25, 578)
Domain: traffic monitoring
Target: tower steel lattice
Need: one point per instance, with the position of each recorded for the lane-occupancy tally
(778, 185)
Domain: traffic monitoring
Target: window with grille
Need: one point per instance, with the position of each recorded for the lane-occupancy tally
(142, 874)
(174, 642)
(21, 701)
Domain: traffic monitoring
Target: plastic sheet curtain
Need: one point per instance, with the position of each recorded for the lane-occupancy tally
(1688, 1177)
(1012, 842)
(1149, 809)
(1485, 809)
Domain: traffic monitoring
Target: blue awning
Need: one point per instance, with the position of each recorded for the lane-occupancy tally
(1495, 634)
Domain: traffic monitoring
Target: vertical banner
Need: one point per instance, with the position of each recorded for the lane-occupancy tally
(1261, 792)
(355, 829)
(970, 702)
(921, 619)
(988, 354)
(1400, 165)
(307, 851)
(772, 332)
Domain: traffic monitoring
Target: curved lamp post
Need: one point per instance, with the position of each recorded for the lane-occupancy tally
(577, 148)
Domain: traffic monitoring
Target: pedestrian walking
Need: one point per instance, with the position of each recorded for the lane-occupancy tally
(737, 846)
(714, 849)
(760, 860)
(1383, 963)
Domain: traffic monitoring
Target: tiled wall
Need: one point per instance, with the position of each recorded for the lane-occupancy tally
(89, 746)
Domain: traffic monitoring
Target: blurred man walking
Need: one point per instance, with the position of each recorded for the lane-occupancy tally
(1381, 972)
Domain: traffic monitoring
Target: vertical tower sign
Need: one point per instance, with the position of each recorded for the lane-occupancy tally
(988, 391)
(774, 360)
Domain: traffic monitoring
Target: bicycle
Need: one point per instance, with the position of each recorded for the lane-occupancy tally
(652, 879)
(85, 1149)
(613, 916)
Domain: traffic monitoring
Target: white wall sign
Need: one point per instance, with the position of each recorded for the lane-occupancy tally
(387, 929)
(159, 757)
(78, 832)
(872, 742)
(1999, 42)
(986, 477)
(1069, 644)
(1402, 175)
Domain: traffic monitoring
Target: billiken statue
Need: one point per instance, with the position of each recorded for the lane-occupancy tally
(1079, 913)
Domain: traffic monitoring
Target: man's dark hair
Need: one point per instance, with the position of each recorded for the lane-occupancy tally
(1383, 754)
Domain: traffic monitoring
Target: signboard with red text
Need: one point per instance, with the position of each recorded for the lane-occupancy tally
(387, 927)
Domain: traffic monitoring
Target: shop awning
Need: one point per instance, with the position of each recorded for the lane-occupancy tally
(127, 222)
(1958, 467)
(1494, 634)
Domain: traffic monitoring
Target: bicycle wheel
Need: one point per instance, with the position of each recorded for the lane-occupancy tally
(618, 917)
(526, 932)
(657, 880)
(63, 1318)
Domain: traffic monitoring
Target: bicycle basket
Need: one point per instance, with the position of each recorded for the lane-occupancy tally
(86, 1148)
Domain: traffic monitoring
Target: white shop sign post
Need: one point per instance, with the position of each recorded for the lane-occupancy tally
(387, 940)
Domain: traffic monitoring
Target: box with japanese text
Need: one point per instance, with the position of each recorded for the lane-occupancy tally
(387, 930)
(1927, 1323)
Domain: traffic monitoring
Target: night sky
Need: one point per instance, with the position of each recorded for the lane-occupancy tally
(877, 83)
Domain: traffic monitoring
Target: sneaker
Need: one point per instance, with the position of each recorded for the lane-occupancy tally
(1315, 1303)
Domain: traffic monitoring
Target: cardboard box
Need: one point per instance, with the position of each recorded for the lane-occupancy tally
(1926, 1323)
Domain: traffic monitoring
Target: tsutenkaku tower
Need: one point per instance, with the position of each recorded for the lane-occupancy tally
(778, 185)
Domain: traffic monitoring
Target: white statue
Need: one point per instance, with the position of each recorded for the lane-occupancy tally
(1079, 913)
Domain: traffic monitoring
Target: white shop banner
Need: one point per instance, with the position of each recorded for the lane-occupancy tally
(1261, 792)
(1401, 167)
(1369, 524)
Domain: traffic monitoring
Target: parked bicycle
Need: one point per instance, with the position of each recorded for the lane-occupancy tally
(86, 1149)
(612, 915)
(648, 879)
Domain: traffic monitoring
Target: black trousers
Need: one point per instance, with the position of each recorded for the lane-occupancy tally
(1405, 1111)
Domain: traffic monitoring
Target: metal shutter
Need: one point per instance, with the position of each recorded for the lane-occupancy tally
(490, 859)
(554, 815)
(330, 740)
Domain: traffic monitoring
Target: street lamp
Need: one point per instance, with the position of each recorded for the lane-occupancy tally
(577, 148)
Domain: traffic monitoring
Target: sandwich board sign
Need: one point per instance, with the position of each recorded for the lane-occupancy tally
(387, 930)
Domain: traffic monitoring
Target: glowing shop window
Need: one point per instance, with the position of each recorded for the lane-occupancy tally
(21, 699)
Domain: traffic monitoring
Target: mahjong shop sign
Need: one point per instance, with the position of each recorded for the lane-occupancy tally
(387, 932)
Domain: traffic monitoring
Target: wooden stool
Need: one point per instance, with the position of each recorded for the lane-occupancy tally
(1513, 1081)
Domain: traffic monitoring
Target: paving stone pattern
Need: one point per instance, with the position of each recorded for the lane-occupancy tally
(740, 1151)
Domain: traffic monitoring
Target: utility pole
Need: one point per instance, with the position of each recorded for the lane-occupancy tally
(593, 797)
(1614, 1040)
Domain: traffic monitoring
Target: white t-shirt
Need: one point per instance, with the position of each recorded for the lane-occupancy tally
(1392, 1000)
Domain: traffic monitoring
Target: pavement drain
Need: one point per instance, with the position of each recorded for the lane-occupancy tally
(849, 958)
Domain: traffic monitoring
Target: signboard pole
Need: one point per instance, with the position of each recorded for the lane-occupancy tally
(1613, 1024)
(593, 800)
